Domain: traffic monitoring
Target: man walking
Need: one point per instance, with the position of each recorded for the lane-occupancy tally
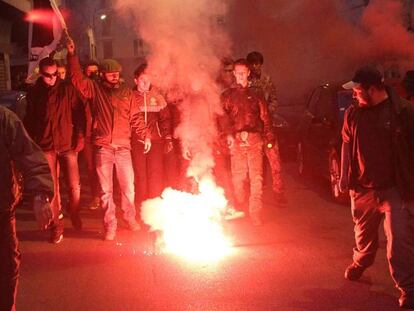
(114, 114)
(263, 84)
(18, 151)
(55, 119)
(378, 168)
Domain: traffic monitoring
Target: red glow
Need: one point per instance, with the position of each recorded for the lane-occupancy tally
(40, 17)
(191, 223)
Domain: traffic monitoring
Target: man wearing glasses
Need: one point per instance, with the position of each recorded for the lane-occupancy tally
(55, 119)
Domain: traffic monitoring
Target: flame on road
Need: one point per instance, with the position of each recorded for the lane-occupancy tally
(191, 224)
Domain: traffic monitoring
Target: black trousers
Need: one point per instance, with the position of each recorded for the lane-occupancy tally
(148, 171)
(9, 261)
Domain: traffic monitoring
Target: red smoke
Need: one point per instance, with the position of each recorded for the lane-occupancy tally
(307, 43)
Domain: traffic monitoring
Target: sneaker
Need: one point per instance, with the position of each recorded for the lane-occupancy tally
(56, 231)
(232, 213)
(354, 272)
(134, 225)
(76, 221)
(110, 235)
(406, 301)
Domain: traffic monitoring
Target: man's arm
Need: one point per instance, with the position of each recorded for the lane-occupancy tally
(137, 123)
(345, 153)
(267, 123)
(271, 96)
(83, 84)
(29, 158)
(345, 164)
(31, 163)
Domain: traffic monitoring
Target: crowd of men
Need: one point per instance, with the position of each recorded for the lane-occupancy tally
(126, 137)
(126, 140)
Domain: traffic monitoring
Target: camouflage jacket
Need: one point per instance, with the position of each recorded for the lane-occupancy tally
(264, 85)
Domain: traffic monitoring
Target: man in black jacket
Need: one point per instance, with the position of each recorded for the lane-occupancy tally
(378, 168)
(18, 151)
(247, 124)
(55, 119)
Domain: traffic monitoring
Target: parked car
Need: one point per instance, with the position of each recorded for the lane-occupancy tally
(15, 101)
(286, 136)
(319, 135)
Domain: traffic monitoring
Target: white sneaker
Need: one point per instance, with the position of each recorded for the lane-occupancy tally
(232, 213)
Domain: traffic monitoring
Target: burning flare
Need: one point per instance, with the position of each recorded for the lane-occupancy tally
(190, 223)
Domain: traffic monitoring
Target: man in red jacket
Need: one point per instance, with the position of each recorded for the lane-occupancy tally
(114, 114)
(149, 167)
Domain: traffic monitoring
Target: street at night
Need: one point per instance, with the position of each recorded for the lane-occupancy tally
(295, 261)
(206, 155)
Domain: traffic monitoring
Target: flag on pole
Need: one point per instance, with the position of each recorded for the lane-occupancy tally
(46, 26)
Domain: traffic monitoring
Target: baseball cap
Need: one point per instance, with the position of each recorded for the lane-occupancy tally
(367, 75)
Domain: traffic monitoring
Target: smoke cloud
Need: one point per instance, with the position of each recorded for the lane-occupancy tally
(186, 44)
(307, 43)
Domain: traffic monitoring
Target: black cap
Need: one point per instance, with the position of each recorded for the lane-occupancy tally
(367, 76)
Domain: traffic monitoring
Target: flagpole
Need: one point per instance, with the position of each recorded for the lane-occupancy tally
(58, 14)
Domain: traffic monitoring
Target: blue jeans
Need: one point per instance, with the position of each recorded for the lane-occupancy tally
(106, 159)
(69, 162)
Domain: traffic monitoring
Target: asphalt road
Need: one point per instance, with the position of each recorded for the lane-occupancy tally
(294, 262)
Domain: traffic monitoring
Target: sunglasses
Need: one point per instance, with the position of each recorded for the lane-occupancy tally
(50, 75)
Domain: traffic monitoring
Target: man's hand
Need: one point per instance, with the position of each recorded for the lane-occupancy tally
(230, 141)
(147, 145)
(343, 184)
(42, 211)
(70, 45)
(168, 146)
(80, 143)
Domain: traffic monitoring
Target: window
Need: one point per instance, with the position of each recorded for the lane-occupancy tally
(107, 49)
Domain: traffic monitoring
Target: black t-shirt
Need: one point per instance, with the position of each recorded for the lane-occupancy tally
(370, 130)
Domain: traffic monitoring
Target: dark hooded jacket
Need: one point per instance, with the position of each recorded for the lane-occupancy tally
(55, 115)
(402, 131)
(17, 150)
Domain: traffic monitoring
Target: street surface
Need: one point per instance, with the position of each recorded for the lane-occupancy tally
(295, 261)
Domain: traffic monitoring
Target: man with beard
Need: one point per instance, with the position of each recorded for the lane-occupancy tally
(263, 84)
(18, 151)
(378, 169)
(55, 119)
(247, 123)
(114, 114)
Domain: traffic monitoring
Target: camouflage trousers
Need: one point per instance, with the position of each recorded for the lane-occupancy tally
(247, 164)
(273, 156)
